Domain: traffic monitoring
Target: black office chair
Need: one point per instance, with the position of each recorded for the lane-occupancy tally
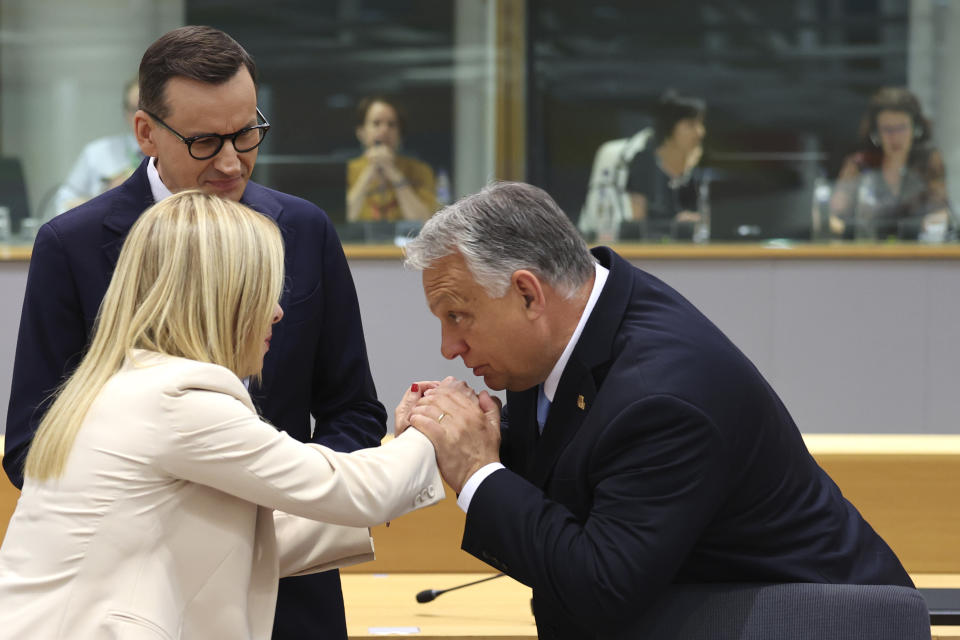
(791, 611)
(13, 191)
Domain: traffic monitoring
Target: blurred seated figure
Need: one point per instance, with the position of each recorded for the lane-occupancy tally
(105, 162)
(895, 186)
(663, 186)
(382, 185)
(660, 195)
(607, 206)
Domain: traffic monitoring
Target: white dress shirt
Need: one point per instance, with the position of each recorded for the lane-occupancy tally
(549, 385)
(157, 188)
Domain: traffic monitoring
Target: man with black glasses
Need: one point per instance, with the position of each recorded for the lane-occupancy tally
(200, 128)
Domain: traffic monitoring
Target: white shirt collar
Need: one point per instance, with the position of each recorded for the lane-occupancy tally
(550, 384)
(157, 188)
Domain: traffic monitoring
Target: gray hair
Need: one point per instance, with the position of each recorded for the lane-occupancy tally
(506, 227)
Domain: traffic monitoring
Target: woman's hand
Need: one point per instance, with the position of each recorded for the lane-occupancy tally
(401, 415)
(380, 156)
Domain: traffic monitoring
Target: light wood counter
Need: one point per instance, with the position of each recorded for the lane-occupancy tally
(496, 610)
(8, 497)
(906, 486)
(14, 253)
(755, 251)
(680, 251)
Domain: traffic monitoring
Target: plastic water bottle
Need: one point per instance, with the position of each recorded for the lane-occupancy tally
(701, 230)
(866, 210)
(443, 188)
(821, 207)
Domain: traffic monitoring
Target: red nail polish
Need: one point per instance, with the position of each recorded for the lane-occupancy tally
(415, 387)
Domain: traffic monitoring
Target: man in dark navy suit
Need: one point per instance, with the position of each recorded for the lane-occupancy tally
(199, 126)
(642, 448)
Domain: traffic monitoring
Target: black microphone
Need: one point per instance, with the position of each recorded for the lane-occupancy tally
(427, 595)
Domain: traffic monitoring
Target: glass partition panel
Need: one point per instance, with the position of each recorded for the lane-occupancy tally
(785, 97)
(785, 89)
(65, 67)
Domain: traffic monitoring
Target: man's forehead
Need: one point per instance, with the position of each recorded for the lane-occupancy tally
(448, 280)
(236, 97)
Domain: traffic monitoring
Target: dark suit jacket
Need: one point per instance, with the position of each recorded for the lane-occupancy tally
(682, 466)
(317, 363)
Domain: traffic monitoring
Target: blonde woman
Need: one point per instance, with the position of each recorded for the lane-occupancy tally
(156, 503)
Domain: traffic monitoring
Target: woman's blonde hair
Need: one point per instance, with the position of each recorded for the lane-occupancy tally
(198, 278)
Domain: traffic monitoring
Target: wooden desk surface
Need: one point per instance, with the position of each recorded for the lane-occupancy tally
(496, 610)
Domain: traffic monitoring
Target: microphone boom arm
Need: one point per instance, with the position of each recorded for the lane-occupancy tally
(428, 595)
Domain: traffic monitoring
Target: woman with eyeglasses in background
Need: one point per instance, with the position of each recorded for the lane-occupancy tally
(895, 186)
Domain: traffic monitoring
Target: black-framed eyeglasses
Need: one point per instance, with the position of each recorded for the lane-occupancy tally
(207, 145)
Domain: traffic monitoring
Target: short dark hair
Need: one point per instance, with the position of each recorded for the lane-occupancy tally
(199, 53)
(364, 106)
(671, 109)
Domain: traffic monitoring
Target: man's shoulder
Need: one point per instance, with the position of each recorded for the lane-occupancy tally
(180, 382)
(84, 217)
(276, 202)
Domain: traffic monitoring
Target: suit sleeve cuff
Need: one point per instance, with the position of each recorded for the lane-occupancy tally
(473, 483)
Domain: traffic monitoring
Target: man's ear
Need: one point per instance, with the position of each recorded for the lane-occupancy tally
(144, 130)
(530, 290)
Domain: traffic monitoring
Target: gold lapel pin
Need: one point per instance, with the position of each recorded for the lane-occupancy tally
(581, 403)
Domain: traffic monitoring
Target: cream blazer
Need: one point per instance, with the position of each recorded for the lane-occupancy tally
(180, 509)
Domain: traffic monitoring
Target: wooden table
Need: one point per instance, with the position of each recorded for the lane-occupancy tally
(499, 609)
(495, 610)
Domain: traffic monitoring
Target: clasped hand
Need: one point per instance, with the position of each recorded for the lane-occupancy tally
(382, 159)
(463, 426)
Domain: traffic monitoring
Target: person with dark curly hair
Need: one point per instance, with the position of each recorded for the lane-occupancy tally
(895, 186)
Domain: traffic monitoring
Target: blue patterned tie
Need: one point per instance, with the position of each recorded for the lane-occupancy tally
(543, 408)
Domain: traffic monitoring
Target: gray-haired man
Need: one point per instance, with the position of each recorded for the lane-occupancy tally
(641, 446)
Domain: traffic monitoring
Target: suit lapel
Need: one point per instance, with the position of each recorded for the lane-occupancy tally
(583, 375)
(576, 390)
(131, 199)
(261, 199)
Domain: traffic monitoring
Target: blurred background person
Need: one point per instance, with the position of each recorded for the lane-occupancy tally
(896, 184)
(663, 187)
(382, 185)
(104, 163)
